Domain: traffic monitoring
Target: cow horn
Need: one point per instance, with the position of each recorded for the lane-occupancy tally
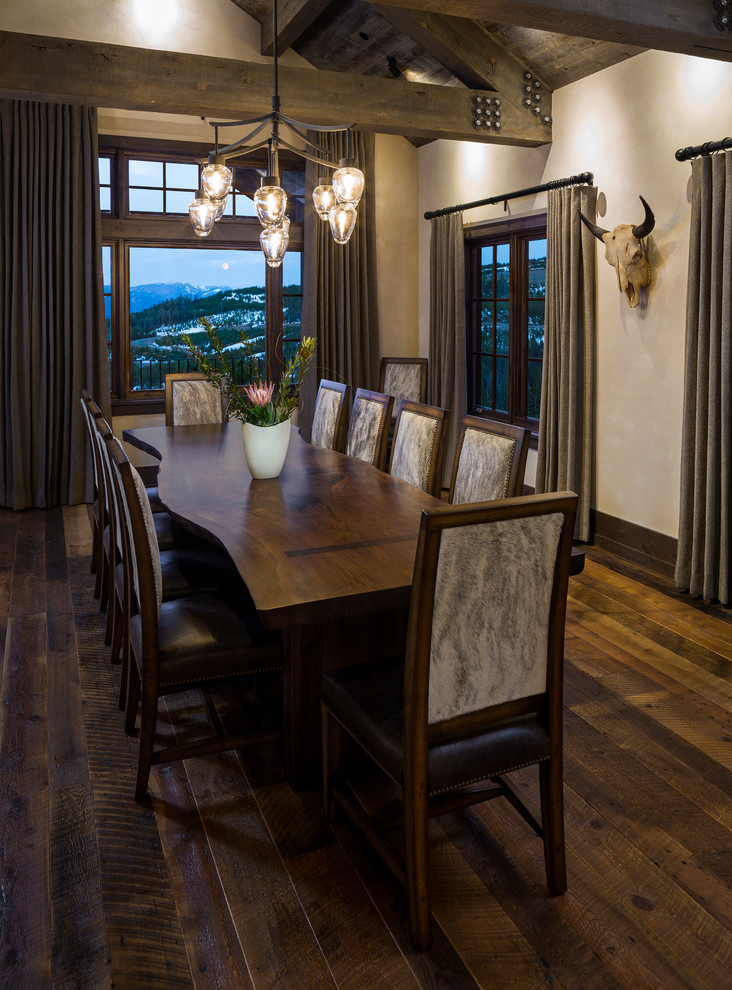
(648, 224)
(597, 231)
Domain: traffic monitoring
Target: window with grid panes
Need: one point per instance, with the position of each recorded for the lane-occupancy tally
(506, 286)
(160, 277)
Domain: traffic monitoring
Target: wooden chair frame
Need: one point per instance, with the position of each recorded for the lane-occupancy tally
(442, 417)
(411, 866)
(339, 434)
(522, 437)
(386, 402)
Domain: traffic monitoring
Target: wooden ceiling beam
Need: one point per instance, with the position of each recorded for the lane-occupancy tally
(294, 17)
(103, 75)
(684, 26)
(467, 49)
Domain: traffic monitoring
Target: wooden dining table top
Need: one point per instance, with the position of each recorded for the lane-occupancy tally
(331, 537)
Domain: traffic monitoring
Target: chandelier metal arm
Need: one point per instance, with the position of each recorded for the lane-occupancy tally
(310, 158)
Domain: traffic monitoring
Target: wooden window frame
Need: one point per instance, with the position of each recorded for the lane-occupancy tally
(122, 230)
(517, 232)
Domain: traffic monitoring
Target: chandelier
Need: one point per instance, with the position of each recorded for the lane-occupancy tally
(335, 200)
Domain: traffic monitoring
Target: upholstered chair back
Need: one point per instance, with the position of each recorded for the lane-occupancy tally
(329, 418)
(490, 461)
(418, 446)
(190, 400)
(368, 429)
(490, 622)
(404, 378)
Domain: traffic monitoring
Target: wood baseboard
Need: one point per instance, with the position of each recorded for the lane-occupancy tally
(636, 544)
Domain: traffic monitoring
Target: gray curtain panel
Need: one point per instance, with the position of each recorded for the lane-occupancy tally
(52, 298)
(564, 460)
(447, 374)
(703, 558)
(340, 304)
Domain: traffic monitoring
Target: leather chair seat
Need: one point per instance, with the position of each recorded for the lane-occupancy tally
(209, 630)
(154, 499)
(368, 698)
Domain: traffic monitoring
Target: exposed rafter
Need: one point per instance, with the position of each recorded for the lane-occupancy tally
(94, 74)
(294, 17)
(684, 26)
(469, 52)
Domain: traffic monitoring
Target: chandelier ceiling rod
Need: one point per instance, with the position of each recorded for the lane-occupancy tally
(335, 202)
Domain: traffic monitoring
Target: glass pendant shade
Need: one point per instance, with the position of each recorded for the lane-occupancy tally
(219, 207)
(348, 185)
(274, 241)
(271, 203)
(216, 179)
(342, 218)
(324, 198)
(202, 212)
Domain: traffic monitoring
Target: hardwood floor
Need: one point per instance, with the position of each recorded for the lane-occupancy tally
(231, 880)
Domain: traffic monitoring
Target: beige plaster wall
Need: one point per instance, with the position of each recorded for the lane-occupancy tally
(396, 256)
(624, 125)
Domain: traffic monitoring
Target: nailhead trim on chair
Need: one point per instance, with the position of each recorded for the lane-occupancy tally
(441, 790)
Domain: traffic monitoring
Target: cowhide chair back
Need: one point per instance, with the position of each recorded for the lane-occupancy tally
(490, 461)
(331, 415)
(418, 447)
(369, 427)
(190, 400)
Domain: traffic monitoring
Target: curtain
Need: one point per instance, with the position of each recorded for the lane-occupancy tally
(447, 373)
(703, 557)
(564, 460)
(53, 327)
(340, 306)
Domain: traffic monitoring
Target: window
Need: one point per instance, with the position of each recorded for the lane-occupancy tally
(160, 278)
(506, 285)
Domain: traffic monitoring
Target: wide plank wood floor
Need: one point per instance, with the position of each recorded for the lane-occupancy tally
(229, 879)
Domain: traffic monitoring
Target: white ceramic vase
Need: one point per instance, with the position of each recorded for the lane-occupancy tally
(265, 448)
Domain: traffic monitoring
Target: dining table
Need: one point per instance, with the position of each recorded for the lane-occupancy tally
(326, 551)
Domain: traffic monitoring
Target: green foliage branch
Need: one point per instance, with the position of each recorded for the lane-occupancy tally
(263, 403)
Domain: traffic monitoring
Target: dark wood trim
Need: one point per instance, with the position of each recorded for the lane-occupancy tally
(634, 543)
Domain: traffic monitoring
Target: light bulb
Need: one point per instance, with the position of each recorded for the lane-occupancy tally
(219, 207)
(324, 198)
(348, 185)
(216, 178)
(202, 212)
(271, 203)
(342, 220)
(274, 241)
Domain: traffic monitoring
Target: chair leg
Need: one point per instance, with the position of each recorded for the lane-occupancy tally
(118, 619)
(551, 784)
(148, 721)
(331, 756)
(132, 695)
(415, 834)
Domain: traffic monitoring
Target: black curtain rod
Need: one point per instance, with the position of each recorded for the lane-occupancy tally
(686, 154)
(573, 180)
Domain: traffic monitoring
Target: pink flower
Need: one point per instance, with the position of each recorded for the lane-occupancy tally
(260, 394)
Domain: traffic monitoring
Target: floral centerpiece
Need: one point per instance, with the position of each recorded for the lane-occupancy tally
(260, 406)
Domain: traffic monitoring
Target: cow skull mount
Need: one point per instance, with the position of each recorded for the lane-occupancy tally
(624, 251)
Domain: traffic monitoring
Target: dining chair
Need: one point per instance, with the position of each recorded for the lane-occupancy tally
(97, 508)
(490, 461)
(418, 446)
(190, 642)
(331, 415)
(404, 378)
(369, 427)
(477, 696)
(191, 400)
(199, 566)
